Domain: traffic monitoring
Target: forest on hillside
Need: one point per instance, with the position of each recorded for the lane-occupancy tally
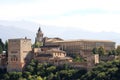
(37, 71)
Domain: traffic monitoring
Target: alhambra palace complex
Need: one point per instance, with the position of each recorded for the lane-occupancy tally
(53, 50)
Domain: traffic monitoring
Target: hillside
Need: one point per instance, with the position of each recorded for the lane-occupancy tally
(7, 32)
(17, 29)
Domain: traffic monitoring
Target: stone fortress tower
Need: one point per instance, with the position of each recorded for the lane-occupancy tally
(18, 54)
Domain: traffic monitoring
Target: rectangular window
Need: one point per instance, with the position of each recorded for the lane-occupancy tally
(14, 58)
(14, 52)
(25, 51)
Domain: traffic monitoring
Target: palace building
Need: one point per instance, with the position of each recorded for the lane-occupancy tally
(52, 50)
(19, 53)
(82, 47)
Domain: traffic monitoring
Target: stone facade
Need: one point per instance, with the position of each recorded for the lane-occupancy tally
(82, 46)
(18, 54)
(109, 58)
(52, 56)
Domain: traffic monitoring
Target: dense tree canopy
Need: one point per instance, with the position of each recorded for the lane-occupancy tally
(78, 58)
(38, 71)
(101, 51)
(104, 71)
(51, 72)
(1, 46)
(44, 71)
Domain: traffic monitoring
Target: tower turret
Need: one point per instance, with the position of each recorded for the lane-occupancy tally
(39, 30)
(39, 37)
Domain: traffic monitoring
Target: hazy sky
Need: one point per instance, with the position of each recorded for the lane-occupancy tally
(93, 15)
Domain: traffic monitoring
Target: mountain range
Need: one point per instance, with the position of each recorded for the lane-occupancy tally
(21, 29)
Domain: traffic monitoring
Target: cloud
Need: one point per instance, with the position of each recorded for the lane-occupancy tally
(53, 7)
(94, 15)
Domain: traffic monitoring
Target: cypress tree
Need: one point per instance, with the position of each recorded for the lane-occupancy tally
(1, 49)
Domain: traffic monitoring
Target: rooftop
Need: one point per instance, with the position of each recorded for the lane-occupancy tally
(85, 40)
(49, 46)
(19, 39)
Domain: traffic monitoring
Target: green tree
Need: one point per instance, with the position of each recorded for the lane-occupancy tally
(39, 78)
(15, 75)
(26, 74)
(111, 69)
(78, 58)
(50, 76)
(1, 49)
(114, 52)
(6, 76)
(51, 69)
(101, 76)
(2, 44)
(95, 50)
(110, 52)
(118, 50)
(101, 51)
(38, 44)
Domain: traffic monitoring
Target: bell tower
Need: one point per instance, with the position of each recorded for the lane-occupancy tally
(39, 37)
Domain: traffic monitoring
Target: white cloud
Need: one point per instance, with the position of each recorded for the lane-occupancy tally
(54, 7)
(95, 22)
